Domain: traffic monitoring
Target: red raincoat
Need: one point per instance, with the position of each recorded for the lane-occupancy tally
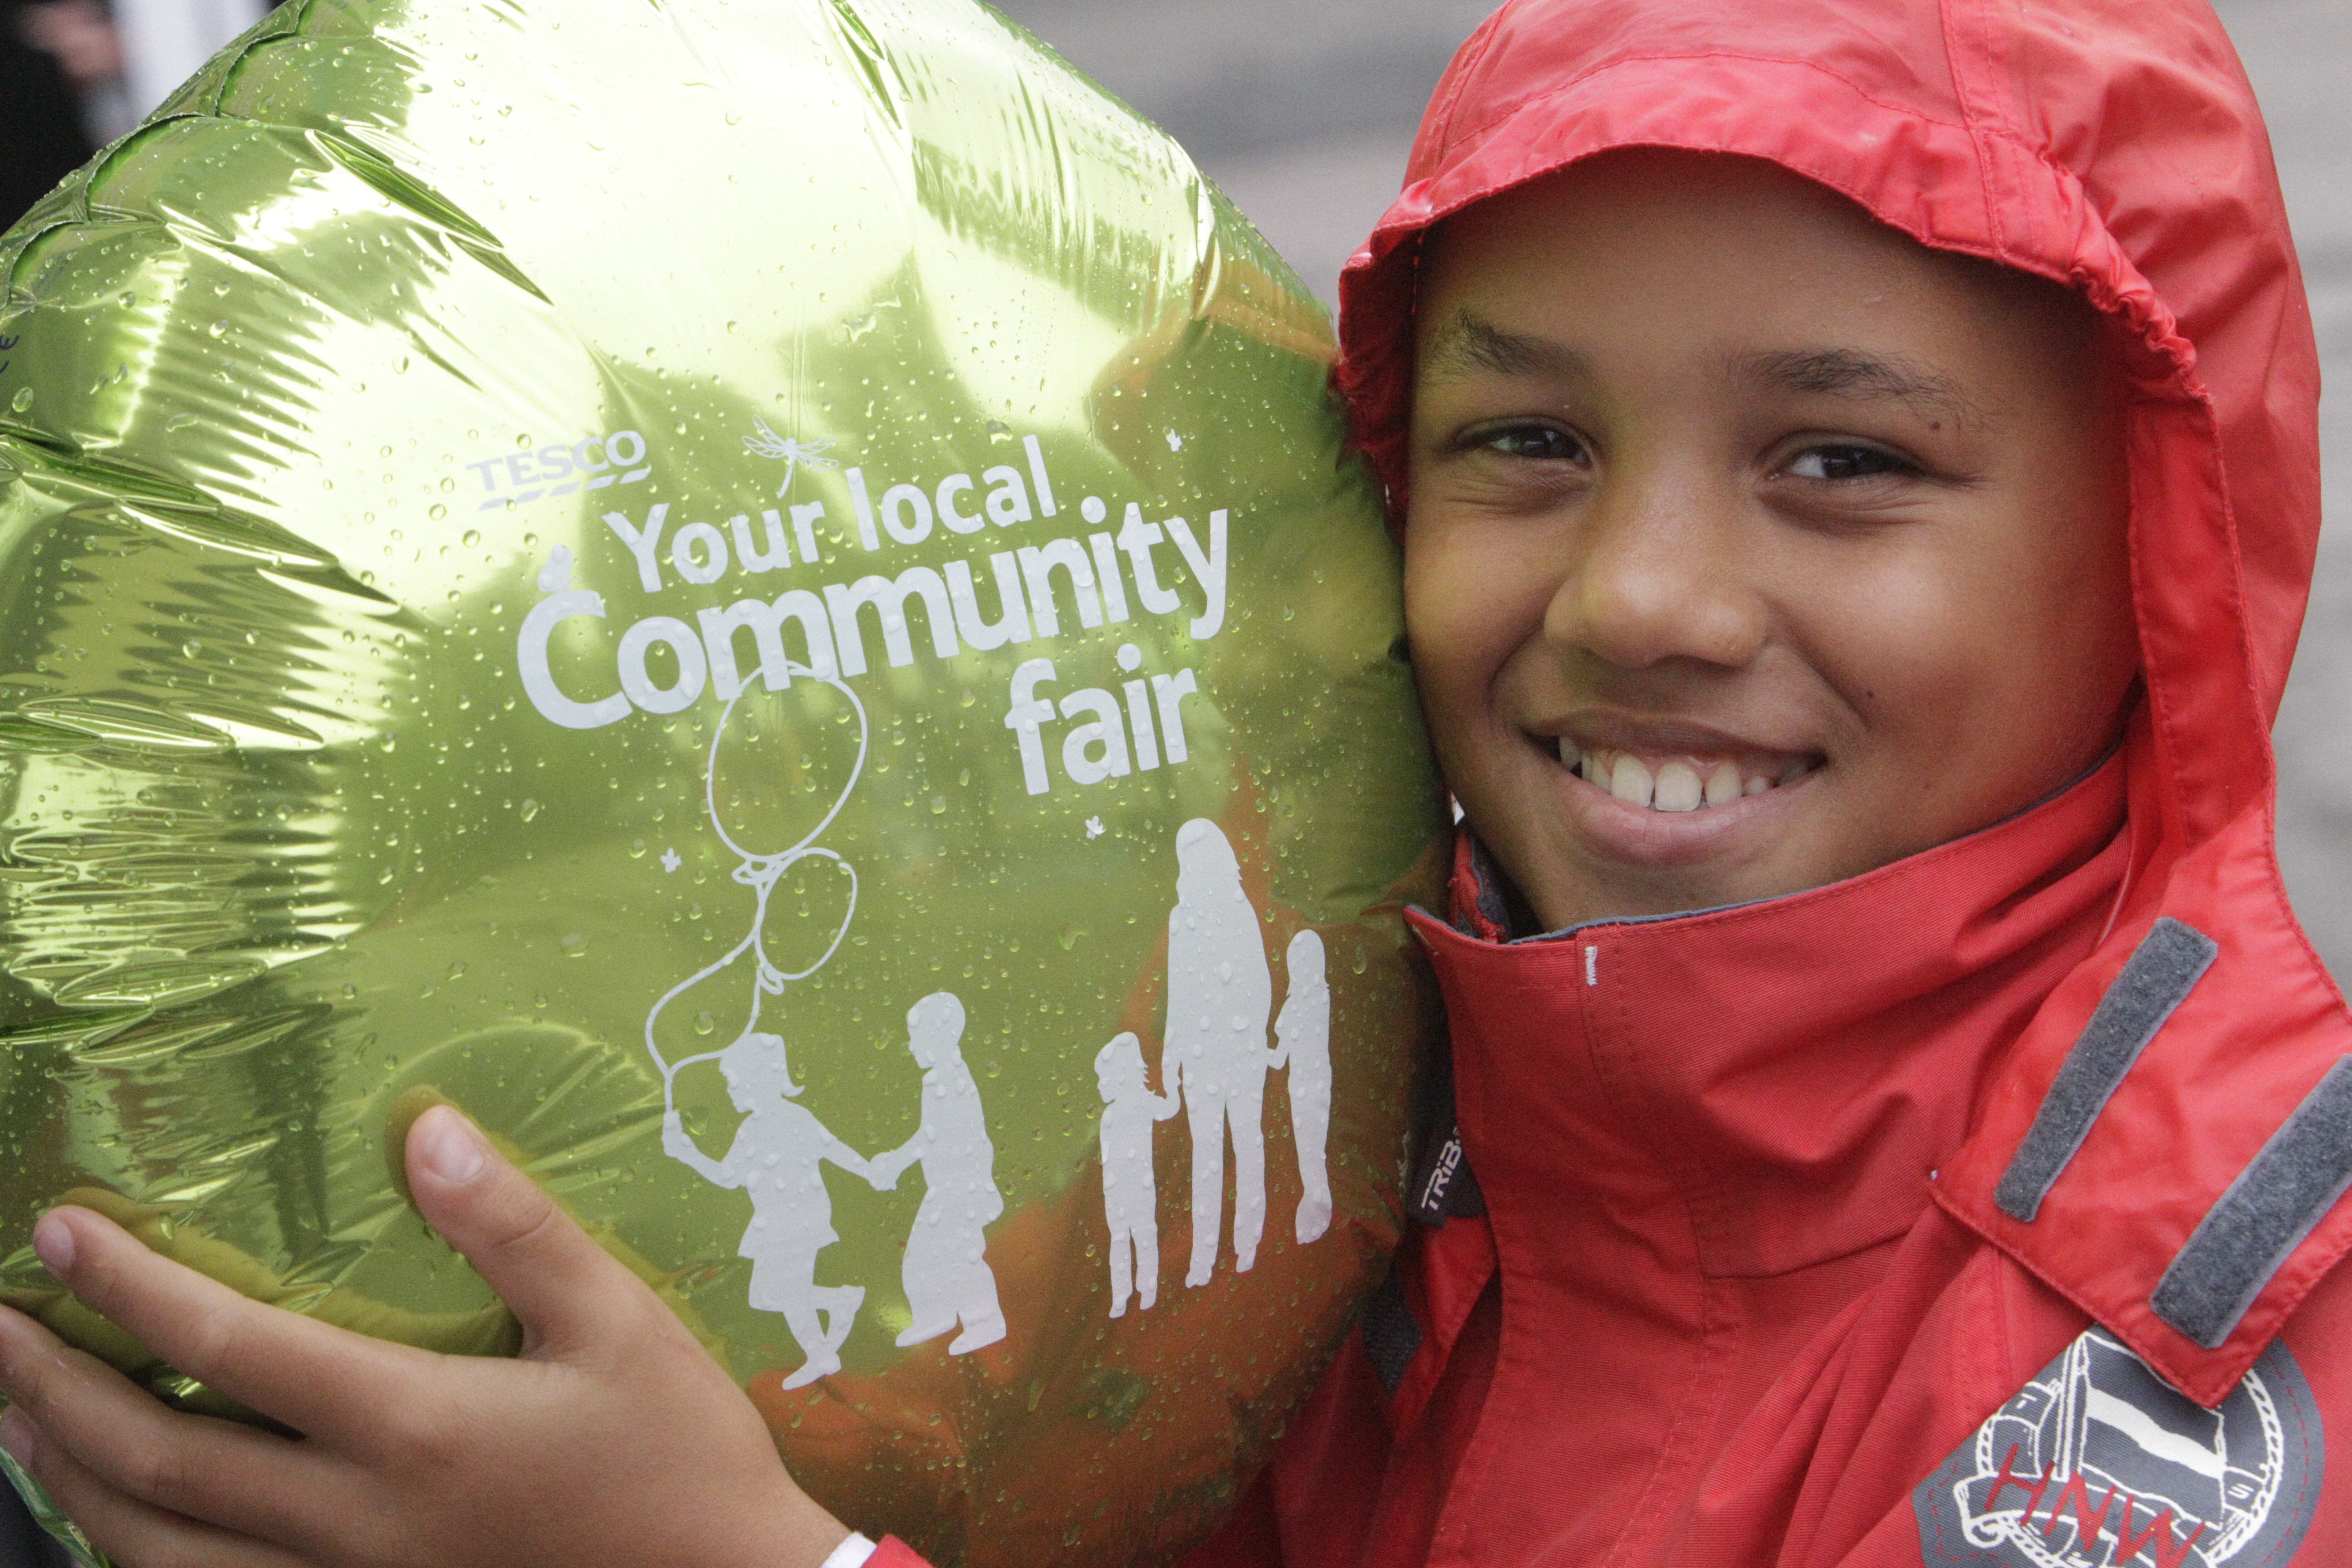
(1981, 1209)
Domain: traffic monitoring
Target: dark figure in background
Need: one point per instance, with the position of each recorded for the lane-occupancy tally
(41, 135)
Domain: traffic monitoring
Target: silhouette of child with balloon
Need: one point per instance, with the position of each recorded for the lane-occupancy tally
(777, 1160)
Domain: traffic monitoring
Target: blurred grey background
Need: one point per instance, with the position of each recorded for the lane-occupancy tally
(1303, 110)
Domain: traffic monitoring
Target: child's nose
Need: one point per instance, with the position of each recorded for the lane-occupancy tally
(1656, 574)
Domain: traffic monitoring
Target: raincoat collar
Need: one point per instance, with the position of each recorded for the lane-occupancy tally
(1720, 1084)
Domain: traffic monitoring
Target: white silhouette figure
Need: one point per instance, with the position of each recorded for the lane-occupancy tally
(1302, 1034)
(1130, 1193)
(777, 1159)
(946, 1269)
(778, 1151)
(1213, 1054)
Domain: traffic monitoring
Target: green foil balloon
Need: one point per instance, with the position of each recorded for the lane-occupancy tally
(767, 597)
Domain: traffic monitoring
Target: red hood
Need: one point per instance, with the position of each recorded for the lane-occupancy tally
(2113, 144)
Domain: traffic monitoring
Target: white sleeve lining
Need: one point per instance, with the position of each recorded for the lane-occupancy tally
(851, 1554)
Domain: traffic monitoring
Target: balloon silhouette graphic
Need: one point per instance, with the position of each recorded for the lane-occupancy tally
(759, 978)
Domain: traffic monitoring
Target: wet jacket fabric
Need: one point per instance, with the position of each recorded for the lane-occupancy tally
(1984, 1209)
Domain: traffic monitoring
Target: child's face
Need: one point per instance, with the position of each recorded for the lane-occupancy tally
(1807, 541)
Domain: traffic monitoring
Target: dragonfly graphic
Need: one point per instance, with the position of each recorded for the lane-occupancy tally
(794, 452)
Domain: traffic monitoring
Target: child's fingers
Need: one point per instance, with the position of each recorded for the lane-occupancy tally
(137, 1534)
(306, 1374)
(566, 1290)
(93, 1425)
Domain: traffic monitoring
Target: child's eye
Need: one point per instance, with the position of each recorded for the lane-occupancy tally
(1536, 443)
(1835, 463)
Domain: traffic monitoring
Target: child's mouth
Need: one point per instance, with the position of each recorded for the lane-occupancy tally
(1683, 783)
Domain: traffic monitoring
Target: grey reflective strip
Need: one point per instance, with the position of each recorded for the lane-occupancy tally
(2157, 980)
(1391, 1335)
(2249, 1235)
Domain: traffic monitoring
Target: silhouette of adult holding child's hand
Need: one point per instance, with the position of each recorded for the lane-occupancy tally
(1213, 1053)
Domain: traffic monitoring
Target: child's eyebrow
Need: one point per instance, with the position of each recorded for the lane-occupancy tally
(1852, 372)
(1470, 344)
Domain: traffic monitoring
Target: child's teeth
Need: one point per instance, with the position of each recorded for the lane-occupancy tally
(1630, 781)
(1678, 788)
(1678, 785)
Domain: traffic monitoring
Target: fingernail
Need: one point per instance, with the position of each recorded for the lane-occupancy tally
(18, 1436)
(451, 1149)
(53, 1244)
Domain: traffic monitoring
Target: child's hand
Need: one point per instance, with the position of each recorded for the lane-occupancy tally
(614, 1438)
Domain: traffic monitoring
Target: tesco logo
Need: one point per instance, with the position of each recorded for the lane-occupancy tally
(521, 478)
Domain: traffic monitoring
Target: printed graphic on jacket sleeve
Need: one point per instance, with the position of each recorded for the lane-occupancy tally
(2098, 1463)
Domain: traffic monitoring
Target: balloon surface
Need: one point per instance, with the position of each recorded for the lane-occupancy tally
(768, 597)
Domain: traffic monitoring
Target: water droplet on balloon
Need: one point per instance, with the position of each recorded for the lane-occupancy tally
(473, 536)
(23, 400)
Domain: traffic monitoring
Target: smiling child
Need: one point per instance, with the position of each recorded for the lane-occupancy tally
(1858, 483)
(1857, 471)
